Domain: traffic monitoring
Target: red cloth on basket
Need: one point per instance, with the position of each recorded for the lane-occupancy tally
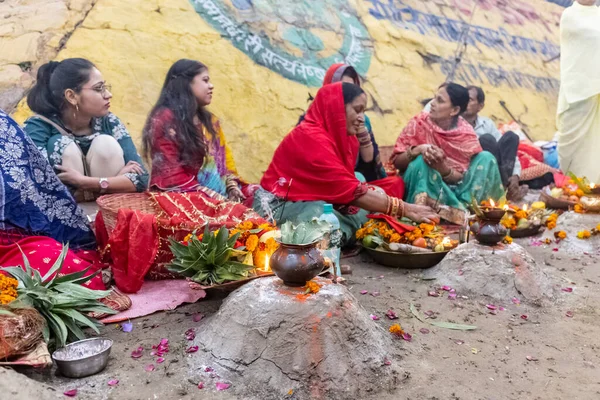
(139, 246)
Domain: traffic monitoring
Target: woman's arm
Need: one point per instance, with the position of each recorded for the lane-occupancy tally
(402, 160)
(380, 202)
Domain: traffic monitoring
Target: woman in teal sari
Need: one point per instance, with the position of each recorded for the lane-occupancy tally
(442, 161)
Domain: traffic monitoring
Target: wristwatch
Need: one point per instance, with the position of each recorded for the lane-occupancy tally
(103, 182)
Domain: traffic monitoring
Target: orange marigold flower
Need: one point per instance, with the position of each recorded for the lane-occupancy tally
(271, 245)
(312, 287)
(509, 223)
(252, 243)
(396, 329)
(246, 225)
(395, 238)
(551, 225)
(578, 208)
(579, 193)
(508, 240)
(560, 235)
(598, 227)
(521, 214)
(584, 234)
(547, 241)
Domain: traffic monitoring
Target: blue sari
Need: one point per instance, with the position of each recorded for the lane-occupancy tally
(32, 198)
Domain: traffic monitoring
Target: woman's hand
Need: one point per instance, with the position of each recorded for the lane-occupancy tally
(419, 213)
(70, 176)
(132, 166)
(435, 158)
(235, 194)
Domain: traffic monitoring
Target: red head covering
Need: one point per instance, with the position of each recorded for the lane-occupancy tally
(336, 71)
(460, 144)
(318, 155)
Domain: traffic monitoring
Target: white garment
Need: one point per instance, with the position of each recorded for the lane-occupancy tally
(578, 113)
(580, 54)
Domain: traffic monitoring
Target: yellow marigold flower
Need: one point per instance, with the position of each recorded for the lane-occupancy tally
(312, 287)
(521, 214)
(187, 238)
(551, 225)
(579, 193)
(509, 223)
(360, 234)
(395, 238)
(271, 245)
(560, 235)
(553, 217)
(584, 235)
(246, 225)
(396, 329)
(578, 208)
(598, 227)
(508, 240)
(252, 243)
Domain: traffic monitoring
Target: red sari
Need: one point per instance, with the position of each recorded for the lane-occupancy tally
(392, 185)
(318, 156)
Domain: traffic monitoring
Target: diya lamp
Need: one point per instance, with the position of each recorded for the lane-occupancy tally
(490, 231)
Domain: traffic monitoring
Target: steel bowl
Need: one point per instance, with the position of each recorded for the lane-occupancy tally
(83, 358)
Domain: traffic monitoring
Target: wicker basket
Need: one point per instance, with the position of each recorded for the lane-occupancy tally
(112, 203)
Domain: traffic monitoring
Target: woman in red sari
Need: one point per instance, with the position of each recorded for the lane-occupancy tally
(369, 167)
(314, 165)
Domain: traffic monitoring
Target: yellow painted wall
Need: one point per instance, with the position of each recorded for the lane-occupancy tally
(134, 43)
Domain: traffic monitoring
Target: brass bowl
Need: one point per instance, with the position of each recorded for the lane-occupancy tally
(406, 260)
(493, 214)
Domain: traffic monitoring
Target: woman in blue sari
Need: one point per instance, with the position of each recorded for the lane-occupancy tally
(32, 198)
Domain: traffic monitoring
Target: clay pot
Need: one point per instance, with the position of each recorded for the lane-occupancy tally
(490, 233)
(297, 264)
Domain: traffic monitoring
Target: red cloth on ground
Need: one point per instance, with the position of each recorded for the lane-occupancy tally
(393, 222)
(459, 144)
(392, 186)
(42, 252)
(139, 245)
(318, 155)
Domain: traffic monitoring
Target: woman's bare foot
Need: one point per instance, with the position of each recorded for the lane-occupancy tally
(419, 213)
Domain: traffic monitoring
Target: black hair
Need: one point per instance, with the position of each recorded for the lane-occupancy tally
(351, 72)
(177, 96)
(480, 93)
(351, 92)
(459, 96)
(47, 97)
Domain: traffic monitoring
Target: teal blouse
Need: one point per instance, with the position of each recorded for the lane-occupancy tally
(52, 144)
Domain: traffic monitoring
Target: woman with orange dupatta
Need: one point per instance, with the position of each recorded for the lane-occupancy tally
(442, 161)
(314, 165)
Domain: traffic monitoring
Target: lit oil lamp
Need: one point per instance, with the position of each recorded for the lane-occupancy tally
(490, 232)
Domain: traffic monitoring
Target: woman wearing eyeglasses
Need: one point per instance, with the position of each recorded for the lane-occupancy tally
(88, 146)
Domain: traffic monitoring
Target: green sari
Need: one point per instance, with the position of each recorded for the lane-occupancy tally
(266, 203)
(482, 181)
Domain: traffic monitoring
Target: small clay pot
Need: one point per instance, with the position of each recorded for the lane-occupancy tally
(490, 233)
(297, 264)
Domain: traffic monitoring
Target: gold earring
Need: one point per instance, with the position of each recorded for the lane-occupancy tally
(77, 107)
(77, 111)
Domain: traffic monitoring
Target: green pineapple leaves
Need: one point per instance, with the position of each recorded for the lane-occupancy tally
(208, 261)
(61, 299)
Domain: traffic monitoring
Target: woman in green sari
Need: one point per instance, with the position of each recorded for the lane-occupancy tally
(442, 162)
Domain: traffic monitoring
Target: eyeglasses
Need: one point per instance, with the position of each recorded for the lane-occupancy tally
(101, 89)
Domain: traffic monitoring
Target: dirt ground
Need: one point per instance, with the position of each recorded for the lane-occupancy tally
(522, 352)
